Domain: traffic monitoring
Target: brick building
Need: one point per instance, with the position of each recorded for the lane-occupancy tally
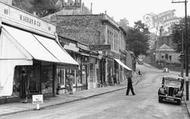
(96, 29)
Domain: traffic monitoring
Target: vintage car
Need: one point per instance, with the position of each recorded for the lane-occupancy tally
(171, 89)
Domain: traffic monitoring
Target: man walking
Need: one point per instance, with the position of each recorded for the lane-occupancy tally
(130, 86)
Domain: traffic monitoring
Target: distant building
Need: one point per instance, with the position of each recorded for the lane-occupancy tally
(166, 54)
(161, 44)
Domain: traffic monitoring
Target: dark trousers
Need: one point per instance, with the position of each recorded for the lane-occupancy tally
(130, 87)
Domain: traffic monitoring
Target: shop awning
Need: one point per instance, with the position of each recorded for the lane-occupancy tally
(40, 48)
(122, 64)
(58, 52)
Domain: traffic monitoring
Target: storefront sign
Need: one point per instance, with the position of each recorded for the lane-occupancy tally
(14, 16)
(84, 47)
(100, 47)
(71, 47)
(37, 99)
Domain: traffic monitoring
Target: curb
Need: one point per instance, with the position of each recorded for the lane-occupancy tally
(60, 103)
(188, 111)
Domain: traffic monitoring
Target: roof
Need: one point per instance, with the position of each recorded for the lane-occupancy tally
(165, 47)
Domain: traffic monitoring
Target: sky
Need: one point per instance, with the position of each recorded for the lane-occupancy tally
(134, 10)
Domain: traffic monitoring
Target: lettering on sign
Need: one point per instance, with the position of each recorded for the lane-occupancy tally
(14, 16)
(37, 99)
(30, 20)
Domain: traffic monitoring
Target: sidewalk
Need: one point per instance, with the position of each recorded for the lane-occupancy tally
(12, 108)
(187, 102)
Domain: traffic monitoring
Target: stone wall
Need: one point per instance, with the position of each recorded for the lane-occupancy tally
(84, 28)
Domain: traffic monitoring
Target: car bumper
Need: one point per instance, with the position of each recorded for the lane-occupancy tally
(170, 97)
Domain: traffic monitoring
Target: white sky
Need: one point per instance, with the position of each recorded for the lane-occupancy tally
(134, 10)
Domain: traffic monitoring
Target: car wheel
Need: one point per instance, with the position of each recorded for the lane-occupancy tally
(160, 100)
(178, 102)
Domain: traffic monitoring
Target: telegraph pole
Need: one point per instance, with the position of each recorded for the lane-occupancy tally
(186, 50)
(186, 54)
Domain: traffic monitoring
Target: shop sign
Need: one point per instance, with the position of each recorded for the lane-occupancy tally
(71, 47)
(37, 99)
(14, 16)
(100, 47)
(84, 47)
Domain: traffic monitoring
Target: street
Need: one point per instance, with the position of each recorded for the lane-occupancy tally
(116, 105)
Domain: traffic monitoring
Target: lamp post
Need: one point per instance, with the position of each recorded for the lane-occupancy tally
(186, 49)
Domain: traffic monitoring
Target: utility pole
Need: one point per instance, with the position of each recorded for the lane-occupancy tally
(182, 55)
(186, 50)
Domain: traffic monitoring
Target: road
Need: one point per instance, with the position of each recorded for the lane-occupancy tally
(116, 105)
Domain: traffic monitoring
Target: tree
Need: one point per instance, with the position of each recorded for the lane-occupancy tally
(124, 23)
(40, 7)
(178, 32)
(137, 38)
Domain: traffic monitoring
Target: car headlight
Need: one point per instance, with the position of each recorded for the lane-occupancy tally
(179, 94)
(162, 91)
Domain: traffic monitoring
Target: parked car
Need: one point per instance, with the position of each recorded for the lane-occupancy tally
(172, 89)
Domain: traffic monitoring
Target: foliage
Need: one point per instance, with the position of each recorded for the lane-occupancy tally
(124, 23)
(137, 38)
(178, 33)
(40, 7)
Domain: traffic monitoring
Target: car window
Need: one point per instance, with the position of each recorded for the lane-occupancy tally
(172, 83)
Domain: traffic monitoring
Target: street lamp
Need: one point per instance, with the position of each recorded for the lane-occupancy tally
(186, 49)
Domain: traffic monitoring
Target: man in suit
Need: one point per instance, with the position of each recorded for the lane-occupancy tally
(130, 85)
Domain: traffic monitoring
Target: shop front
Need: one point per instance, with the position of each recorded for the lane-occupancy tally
(29, 55)
(67, 79)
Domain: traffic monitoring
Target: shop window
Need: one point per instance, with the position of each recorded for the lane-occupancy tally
(70, 73)
(61, 76)
(47, 78)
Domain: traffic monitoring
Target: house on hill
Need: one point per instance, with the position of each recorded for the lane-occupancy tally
(166, 54)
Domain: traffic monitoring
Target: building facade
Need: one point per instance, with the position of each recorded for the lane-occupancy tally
(96, 30)
(166, 54)
(29, 55)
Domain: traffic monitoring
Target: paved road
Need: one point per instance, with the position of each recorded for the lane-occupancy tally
(116, 105)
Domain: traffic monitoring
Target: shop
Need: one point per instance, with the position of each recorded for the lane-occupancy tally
(84, 72)
(94, 75)
(29, 55)
(68, 76)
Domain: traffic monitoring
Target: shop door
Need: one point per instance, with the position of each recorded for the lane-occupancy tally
(24, 82)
